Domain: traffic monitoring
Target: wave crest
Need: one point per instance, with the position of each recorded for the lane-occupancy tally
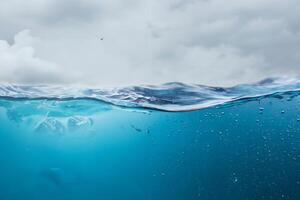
(172, 96)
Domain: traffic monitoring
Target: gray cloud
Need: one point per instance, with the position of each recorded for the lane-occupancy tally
(212, 42)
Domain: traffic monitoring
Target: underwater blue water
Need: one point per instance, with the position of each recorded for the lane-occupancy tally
(242, 147)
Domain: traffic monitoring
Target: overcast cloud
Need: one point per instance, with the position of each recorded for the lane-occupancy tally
(215, 42)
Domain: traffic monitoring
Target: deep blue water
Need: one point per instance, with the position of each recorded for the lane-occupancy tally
(80, 149)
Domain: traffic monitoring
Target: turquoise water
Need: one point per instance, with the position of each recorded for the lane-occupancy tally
(236, 143)
(88, 149)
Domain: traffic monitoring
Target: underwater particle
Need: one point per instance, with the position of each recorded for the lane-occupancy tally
(264, 137)
(282, 112)
(163, 174)
(261, 110)
(235, 179)
(53, 175)
(298, 120)
(135, 128)
(257, 120)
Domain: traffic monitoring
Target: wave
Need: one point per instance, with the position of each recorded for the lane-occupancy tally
(172, 96)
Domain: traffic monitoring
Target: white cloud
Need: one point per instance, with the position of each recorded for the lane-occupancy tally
(214, 42)
(19, 64)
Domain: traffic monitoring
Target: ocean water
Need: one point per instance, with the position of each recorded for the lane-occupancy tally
(169, 142)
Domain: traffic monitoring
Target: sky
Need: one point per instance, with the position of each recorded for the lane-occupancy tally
(211, 42)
